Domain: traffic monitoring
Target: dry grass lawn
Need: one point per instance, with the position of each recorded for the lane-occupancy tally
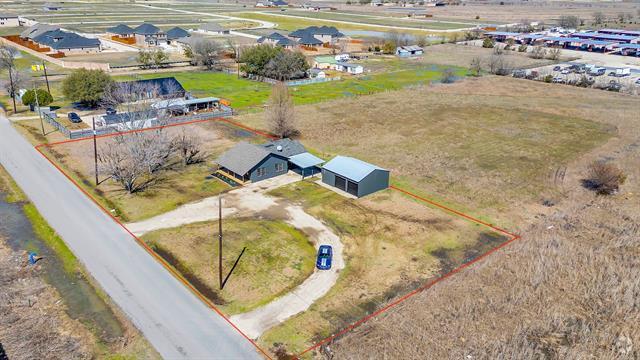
(484, 145)
(177, 184)
(278, 258)
(392, 245)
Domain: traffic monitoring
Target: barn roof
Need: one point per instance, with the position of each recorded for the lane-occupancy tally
(350, 168)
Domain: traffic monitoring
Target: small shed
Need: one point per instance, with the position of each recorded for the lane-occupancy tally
(324, 62)
(354, 176)
(407, 51)
(317, 74)
(354, 69)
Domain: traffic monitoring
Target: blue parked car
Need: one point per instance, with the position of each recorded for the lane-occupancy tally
(325, 252)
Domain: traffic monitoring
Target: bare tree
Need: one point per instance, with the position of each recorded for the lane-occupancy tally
(207, 53)
(598, 17)
(554, 54)
(569, 21)
(538, 52)
(188, 145)
(7, 61)
(476, 66)
(448, 76)
(498, 65)
(280, 114)
(134, 159)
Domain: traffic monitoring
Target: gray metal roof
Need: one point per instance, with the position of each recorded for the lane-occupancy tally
(309, 39)
(306, 160)
(285, 147)
(120, 29)
(242, 157)
(177, 32)
(350, 168)
(147, 29)
(58, 39)
(37, 29)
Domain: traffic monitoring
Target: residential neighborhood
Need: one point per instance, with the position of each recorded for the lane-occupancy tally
(319, 180)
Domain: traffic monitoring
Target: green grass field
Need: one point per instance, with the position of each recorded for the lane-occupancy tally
(245, 94)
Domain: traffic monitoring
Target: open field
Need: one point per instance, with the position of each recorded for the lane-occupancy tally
(278, 257)
(392, 244)
(490, 143)
(374, 20)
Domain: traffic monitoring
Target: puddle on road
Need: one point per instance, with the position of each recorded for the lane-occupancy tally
(82, 302)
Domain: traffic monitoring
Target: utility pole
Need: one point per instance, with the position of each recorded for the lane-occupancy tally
(220, 240)
(46, 78)
(95, 150)
(35, 92)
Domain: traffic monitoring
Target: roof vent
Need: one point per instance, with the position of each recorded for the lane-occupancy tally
(279, 148)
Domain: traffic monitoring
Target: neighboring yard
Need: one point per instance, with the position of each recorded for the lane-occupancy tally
(177, 184)
(392, 245)
(278, 258)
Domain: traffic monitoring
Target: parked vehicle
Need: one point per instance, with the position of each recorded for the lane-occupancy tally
(597, 71)
(111, 111)
(325, 254)
(638, 81)
(623, 72)
(74, 118)
(558, 80)
(557, 68)
(614, 86)
(519, 74)
(565, 72)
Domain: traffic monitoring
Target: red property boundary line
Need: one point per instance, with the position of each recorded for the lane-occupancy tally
(165, 264)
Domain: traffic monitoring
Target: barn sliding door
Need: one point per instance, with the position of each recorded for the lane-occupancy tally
(340, 183)
(352, 188)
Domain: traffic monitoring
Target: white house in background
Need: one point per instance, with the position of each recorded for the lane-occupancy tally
(408, 51)
(317, 74)
(9, 20)
(353, 69)
(343, 57)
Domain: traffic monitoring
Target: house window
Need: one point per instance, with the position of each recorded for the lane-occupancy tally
(261, 172)
(279, 167)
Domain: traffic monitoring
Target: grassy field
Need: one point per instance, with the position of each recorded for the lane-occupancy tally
(482, 144)
(291, 24)
(376, 20)
(391, 243)
(278, 258)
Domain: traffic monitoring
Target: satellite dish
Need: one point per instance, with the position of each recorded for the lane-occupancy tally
(279, 147)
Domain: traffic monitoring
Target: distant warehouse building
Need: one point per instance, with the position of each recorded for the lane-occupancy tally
(354, 176)
(9, 20)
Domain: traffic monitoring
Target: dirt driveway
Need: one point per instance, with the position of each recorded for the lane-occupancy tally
(251, 200)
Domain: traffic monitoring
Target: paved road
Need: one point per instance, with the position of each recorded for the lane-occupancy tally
(173, 319)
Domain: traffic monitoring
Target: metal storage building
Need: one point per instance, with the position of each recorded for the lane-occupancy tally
(354, 176)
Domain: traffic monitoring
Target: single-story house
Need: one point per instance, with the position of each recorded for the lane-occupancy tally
(121, 31)
(354, 176)
(325, 34)
(249, 162)
(7, 19)
(277, 39)
(159, 88)
(317, 74)
(67, 42)
(176, 33)
(353, 69)
(324, 62)
(213, 28)
(407, 51)
(148, 34)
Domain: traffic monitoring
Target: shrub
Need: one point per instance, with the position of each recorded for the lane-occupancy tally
(44, 98)
(548, 78)
(86, 86)
(522, 48)
(604, 177)
(488, 43)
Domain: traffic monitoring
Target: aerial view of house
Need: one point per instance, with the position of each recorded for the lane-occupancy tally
(319, 180)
